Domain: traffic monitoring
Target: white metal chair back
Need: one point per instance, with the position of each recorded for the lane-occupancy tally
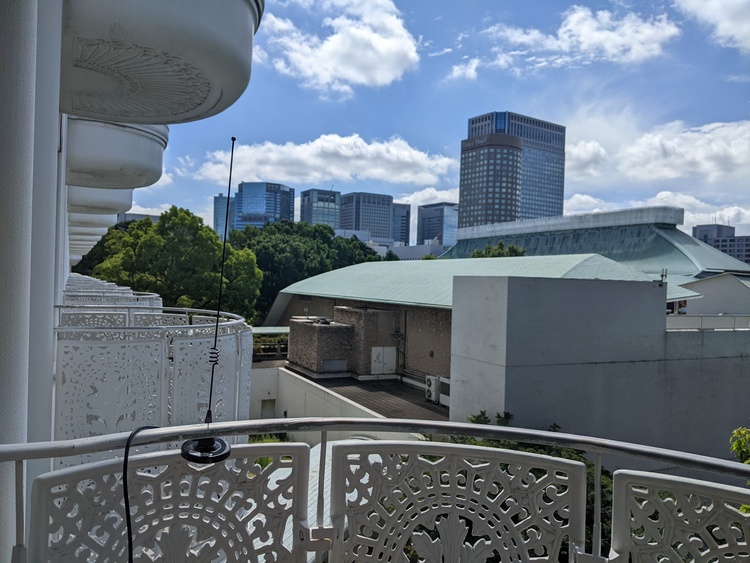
(663, 518)
(237, 510)
(452, 503)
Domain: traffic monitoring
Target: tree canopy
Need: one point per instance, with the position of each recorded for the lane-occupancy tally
(180, 259)
(498, 251)
(288, 252)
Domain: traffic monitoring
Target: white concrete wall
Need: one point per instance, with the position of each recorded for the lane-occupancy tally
(721, 294)
(593, 357)
(298, 397)
(478, 346)
(263, 387)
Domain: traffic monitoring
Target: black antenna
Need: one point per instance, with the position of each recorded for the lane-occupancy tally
(212, 449)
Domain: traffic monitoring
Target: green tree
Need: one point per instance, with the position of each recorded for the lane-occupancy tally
(429, 257)
(391, 256)
(739, 444)
(288, 252)
(498, 251)
(180, 259)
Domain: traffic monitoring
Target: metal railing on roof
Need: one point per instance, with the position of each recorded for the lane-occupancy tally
(422, 484)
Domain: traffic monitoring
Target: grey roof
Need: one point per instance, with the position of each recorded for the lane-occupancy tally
(627, 237)
(744, 280)
(429, 283)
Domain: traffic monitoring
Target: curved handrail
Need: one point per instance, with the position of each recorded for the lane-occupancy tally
(225, 318)
(65, 448)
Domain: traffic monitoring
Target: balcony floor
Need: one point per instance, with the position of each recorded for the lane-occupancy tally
(389, 397)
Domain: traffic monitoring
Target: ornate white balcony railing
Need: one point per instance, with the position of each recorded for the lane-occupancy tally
(115, 298)
(117, 367)
(389, 501)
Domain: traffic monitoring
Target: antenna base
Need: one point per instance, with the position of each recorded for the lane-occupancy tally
(205, 451)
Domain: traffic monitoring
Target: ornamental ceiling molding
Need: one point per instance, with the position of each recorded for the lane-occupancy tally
(150, 84)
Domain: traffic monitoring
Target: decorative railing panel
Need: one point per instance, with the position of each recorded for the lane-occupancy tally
(111, 379)
(238, 510)
(160, 319)
(453, 503)
(449, 500)
(114, 299)
(661, 518)
(101, 319)
(104, 387)
(243, 379)
(191, 379)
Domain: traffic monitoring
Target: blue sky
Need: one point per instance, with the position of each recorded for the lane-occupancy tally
(374, 95)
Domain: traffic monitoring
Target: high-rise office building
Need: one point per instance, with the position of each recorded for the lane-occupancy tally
(437, 222)
(220, 213)
(368, 212)
(512, 167)
(490, 180)
(321, 207)
(401, 222)
(722, 237)
(260, 203)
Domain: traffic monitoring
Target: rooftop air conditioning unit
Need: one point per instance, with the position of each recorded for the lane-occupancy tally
(432, 388)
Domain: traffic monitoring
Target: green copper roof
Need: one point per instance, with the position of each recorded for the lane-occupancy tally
(429, 283)
(648, 248)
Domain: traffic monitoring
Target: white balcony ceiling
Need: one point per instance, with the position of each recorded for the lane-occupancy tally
(99, 200)
(142, 61)
(114, 155)
(91, 231)
(91, 220)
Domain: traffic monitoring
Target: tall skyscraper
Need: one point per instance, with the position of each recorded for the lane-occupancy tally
(401, 222)
(368, 212)
(321, 207)
(437, 222)
(512, 167)
(220, 213)
(260, 203)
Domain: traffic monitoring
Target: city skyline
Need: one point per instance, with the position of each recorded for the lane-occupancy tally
(654, 99)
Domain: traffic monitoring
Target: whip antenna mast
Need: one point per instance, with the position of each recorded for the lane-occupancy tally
(212, 449)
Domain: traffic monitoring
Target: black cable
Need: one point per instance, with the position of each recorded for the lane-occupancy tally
(125, 492)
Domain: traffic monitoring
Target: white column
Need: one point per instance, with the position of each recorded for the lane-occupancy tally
(18, 75)
(43, 235)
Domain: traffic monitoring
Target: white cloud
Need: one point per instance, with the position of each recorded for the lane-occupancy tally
(440, 53)
(585, 37)
(329, 158)
(186, 166)
(428, 195)
(584, 159)
(742, 78)
(260, 56)
(675, 199)
(367, 44)
(717, 152)
(158, 210)
(700, 212)
(730, 20)
(585, 203)
(466, 70)
(164, 180)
